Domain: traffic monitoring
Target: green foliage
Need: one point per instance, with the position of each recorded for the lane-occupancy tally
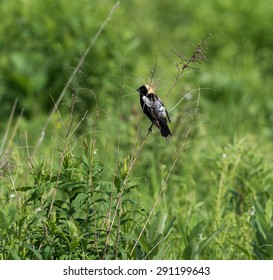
(263, 223)
(70, 214)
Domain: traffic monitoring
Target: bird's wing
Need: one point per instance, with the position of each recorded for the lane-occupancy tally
(147, 101)
(161, 110)
(149, 107)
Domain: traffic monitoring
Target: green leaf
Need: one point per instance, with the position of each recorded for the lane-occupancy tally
(13, 255)
(169, 226)
(36, 252)
(260, 219)
(3, 220)
(68, 186)
(187, 253)
(194, 220)
(74, 244)
(24, 189)
(244, 251)
(12, 214)
(197, 230)
(117, 183)
(161, 222)
(204, 243)
(80, 199)
(268, 212)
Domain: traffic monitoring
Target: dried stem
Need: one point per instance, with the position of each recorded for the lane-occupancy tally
(199, 55)
(164, 184)
(78, 67)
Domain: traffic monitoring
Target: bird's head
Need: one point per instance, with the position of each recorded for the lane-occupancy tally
(145, 90)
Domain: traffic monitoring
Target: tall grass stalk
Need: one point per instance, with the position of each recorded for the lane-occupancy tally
(164, 184)
(69, 132)
(8, 126)
(73, 75)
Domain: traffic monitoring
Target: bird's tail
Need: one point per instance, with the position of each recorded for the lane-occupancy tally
(164, 129)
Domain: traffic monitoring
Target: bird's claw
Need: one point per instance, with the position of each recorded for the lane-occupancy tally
(150, 129)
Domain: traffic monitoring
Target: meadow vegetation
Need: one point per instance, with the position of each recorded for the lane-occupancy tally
(80, 178)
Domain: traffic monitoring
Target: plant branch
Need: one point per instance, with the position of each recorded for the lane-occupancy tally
(164, 184)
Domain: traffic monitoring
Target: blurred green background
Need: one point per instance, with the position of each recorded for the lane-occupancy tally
(43, 41)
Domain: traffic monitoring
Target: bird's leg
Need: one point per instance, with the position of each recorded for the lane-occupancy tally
(150, 129)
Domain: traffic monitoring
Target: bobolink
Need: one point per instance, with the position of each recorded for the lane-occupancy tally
(154, 109)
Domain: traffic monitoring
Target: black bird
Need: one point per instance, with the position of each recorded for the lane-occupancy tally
(154, 109)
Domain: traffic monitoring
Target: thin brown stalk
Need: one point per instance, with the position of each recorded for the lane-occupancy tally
(164, 184)
(69, 132)
(120, 195)
(15, 129)
(199, 55)
(8, 126)
(115, 172)
(71, 78)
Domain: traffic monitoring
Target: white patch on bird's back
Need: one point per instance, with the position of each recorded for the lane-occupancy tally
(147, 101)
(160, 109)
(162, 112)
